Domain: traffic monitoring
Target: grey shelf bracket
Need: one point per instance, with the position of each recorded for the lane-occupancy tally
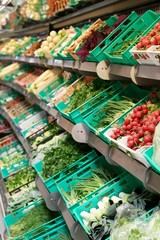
(80, 133)
(108, 158)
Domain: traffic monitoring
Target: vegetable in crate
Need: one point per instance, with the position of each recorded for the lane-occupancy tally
(97, 36)
(85, 186)
(117, 210)
(140, 124)
(129, 226)
(36, 217)
(67, 152)
(113, 110)
(152, 38)
(26, 175)
(28, 194)
(83, 92)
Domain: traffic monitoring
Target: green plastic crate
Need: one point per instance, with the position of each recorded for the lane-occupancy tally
(49, 230)
(43, 94)
(126, 184)
(68, 183)
(52, 181)
(66, 55)
(78, 32)
(26, 114)
(97, 52)
(131, 91)
(110, 22)
(148, 154)
(130, 37)
(78, 114)
(13, 168)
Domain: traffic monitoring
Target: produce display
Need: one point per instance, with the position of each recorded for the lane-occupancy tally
(140, 124)
(61, 156)
(95, 37)
(106, 200)
(16, 47)
(43, 80)
(26, 175)
(44, 134)
(50, 42)
(27, 195)
(36, 217)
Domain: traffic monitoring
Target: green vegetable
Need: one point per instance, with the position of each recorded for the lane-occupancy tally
(67, 152)
(36, 217)
(85, 186)
(84, 94)
(20, 178)
(9, 160)
(111, 111)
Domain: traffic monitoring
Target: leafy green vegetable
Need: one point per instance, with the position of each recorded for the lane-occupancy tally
(67, 152)
(85, 186)
(111, 111)
(36, 217)
(84, 94)
(29, 193)
(20, 178)
(7, 161)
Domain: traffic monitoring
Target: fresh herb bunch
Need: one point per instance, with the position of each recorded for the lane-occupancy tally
(85, 186)
(61, 157)
(113, 110)
(36, 217)
(84, 94)
(20, 178)
(7, 161)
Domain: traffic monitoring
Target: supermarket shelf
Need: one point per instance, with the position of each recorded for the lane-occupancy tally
(23, 141)
(102, 8)
(30, 97)
(55, 202)
(81, 133)
(86, 67)
(115, 156)
(104, 69)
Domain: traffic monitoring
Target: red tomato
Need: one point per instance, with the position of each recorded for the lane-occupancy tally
(148, 144)
(146, 42)
(158, 39)
(133, 115)
(113, 136)
(130, 138)
(145, 111)
(129, 126)
(117, 130)
(124, 127)
(158, 119)
(139, 114)
(144, 127)
(154, 41)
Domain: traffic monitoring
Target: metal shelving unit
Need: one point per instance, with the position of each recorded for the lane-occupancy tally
(80, 132)
(23, 141)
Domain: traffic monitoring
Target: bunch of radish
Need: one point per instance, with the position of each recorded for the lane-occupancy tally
(140, 124)
(152, 38)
